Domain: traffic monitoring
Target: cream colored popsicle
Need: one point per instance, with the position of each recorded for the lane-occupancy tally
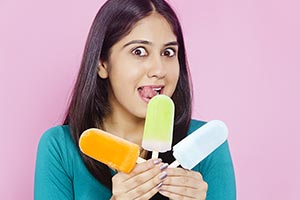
(199, 144)
(109, 149)
(158, 129)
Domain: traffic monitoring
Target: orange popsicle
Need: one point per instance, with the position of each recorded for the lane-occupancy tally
(109, 149)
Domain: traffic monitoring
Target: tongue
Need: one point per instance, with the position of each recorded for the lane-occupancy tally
(147, 92)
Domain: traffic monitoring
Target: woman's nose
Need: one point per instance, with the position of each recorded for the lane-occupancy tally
(157, 68)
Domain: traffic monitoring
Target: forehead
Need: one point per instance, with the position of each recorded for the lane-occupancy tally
(154, 28)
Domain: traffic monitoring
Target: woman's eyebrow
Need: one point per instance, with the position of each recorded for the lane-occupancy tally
(173, 43)
(137, 42)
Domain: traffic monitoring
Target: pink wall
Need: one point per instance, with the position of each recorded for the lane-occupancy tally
(244, 58)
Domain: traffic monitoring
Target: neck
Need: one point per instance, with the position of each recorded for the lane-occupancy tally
(130, 129)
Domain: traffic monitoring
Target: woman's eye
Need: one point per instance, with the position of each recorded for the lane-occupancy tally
(169, 52)
(140, 51)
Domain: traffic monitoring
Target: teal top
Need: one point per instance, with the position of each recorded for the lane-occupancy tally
(61, 174)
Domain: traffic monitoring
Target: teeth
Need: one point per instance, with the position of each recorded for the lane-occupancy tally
(157, 90)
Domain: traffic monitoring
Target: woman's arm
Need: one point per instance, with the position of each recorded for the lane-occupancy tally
(51, 178)
(217, 170)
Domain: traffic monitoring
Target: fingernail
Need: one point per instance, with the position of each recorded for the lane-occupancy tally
(163, 175)
(159, 185)
(157, 161)
(164, 166)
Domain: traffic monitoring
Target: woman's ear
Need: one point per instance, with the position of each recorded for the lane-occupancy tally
(103, 70)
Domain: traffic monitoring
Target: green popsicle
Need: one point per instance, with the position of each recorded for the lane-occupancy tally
(158, 129)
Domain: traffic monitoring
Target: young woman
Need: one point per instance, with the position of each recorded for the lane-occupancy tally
(134, 51)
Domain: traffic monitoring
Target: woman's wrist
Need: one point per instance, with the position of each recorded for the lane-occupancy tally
(112, 198)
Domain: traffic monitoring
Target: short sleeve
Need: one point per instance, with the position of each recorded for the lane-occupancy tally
(52, 180)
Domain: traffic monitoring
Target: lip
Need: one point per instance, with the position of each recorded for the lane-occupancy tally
(153, 87)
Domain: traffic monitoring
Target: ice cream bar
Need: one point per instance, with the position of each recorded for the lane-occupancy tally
(198, 145)
(109, 149)
(158, 129)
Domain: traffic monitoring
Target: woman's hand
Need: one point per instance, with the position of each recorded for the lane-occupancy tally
(142, 182)
(184, 184)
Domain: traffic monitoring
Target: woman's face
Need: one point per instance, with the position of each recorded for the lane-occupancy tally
(141, 65)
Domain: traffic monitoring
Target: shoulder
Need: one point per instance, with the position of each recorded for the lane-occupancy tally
(56, 156)
(194, 125)
(57, 142)
(56, 136)
(57, 149)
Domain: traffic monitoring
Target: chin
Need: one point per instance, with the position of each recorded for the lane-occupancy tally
(141, 113)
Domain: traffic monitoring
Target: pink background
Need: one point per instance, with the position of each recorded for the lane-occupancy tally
(244, 58)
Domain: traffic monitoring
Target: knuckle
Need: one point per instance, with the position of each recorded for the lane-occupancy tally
(148, 195)
(182, 190)
(139, 191)
(114, 178)
(181, 198)
(205, 185)
(184, 180)
(204, 195)
(139, 180)
(155, 181)
(197, 174)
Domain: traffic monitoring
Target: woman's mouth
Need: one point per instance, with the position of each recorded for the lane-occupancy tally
(147, 92)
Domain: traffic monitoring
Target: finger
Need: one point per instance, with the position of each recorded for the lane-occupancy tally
(186, 180)
(139, 168)
(147, 189)
(149, 194)
(182, 182)
(184, 172)
(186, 192)
(171, 195)
(133, 184)
(141, 178)
(121, 181)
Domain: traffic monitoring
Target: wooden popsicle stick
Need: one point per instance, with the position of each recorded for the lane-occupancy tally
(174, 164)
(155, 154)
(140, 160)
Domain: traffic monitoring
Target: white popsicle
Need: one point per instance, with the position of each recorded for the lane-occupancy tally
(198, 145)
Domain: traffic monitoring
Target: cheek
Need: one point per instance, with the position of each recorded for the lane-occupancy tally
(174, 73)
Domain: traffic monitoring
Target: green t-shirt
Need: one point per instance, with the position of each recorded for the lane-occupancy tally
(60, 173)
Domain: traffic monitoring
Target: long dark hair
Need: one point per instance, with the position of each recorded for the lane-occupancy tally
(89, 104)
